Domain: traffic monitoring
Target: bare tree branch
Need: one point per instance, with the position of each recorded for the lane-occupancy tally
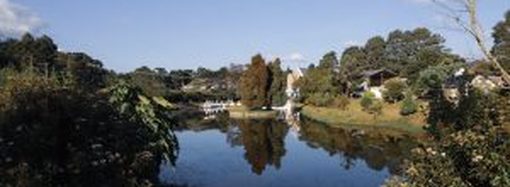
(472, 27)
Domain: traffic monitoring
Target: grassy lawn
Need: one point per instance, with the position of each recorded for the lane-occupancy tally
(241, 112)
(354, 116)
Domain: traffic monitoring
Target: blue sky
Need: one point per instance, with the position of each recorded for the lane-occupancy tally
(175, 34)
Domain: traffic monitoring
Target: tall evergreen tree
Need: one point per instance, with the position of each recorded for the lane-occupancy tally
(501, 47)
(254, 85)
(374, 50)
(404, 49)
(278, 80)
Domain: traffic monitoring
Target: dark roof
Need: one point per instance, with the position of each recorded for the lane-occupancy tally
(370, 73)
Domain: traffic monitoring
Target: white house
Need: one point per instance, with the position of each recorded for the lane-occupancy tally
(292, 77)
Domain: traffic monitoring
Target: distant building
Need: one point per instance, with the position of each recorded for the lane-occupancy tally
(374, 82)
(292, 77)
(203, 85)
(378, 77)
(489, 83)
(483, 83)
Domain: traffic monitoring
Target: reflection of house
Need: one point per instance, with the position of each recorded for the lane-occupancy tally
(291, 80)
(374, 81)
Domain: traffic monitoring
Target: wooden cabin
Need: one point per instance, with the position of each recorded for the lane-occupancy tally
(376, 78)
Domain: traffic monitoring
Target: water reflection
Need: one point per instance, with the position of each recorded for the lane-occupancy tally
(259, 153)
(377, 149)
(263, 142)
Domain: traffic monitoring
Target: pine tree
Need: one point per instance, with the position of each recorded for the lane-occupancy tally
(501, 47)
(254, 85)
(278, 80)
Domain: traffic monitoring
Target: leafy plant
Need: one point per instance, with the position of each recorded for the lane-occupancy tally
(367, 100)
(408, 105)
(376, 108)
(151, 112)
(319, 99)
(394, 90)
(341, 102)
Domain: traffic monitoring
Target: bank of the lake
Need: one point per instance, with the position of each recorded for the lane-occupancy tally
(241, 112)
(354, 117)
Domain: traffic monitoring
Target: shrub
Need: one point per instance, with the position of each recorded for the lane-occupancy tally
(117, 137)
(367, 100)
(408, 106)
(394, 90)
(319, 99)
(340, 102)
(376, 108)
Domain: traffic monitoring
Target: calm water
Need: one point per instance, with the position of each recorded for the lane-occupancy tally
(268, 153)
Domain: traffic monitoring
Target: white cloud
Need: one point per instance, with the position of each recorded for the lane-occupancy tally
(16, 20)
(295, 57)
(351, 43)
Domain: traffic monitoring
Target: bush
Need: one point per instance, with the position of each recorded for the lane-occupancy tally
(376, 108)
(340, 102)
(394, 90)
(367, 100)
(319, 99)
(56, 130)
(408, 106)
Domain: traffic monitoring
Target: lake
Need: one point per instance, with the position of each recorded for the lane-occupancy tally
(268, 153)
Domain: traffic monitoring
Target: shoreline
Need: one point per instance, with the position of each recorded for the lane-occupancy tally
(239, 112)
(351, 118)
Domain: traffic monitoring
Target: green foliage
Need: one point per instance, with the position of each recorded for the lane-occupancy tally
(321, 79)
(483, 68)
(408, 105)
(353, 63)
(501, 47)
(403, 52)
(463, 158)
(341, 102)
(278, 80)
(176, 79)
(371, 105)
(410, 51)
(58, 122)
(86, 71)
(319, 99)
(255, 84)
(394, 90)
(329, 61)
(50, 130)
(367, 100)
(432, 78)
(469, 147)
(149, 81)
(376, 108)
(151, 112)
(36, 53)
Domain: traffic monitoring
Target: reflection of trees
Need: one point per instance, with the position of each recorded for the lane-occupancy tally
(376, 150)
(263, 142)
